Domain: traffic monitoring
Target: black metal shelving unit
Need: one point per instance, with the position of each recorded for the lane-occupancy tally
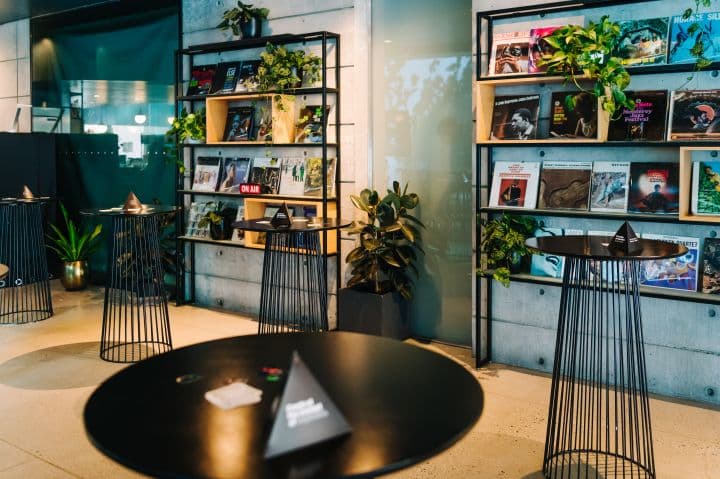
(484, 25)
(330, 45)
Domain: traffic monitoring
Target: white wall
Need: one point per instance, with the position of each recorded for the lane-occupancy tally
(14, 73)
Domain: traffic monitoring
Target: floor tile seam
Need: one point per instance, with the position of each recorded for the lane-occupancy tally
(37, 457)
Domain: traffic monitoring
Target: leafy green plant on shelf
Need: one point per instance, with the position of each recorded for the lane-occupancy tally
(219, 218)
(389, 242)
(237, 18)
(587, 53)
(502, 246)
(701, 39)
(282, 69)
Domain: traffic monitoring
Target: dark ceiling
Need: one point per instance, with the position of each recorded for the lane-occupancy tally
(11, 10)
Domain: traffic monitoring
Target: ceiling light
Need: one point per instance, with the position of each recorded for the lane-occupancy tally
(140, 118)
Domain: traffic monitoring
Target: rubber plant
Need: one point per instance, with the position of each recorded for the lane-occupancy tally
(389, 242)
(587, 53)
(502, 246)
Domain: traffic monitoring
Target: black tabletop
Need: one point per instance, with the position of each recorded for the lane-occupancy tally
(298, 225)
(146, 210)
(595, 247)
(404, 403)
(15, 201)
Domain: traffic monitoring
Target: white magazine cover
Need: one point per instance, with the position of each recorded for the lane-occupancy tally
(515, 184)
(292, 176)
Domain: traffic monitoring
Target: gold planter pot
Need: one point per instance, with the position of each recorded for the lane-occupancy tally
(74, 275)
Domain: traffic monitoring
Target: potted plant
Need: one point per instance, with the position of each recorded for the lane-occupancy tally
(73, 248)
(219, 218)
(189, 127)
(375, 300)
(244, 20)
(502, 246)
(282, 69)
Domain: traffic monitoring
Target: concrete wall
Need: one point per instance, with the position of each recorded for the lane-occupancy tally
(681, 338)
(230, 277)
(14, 73)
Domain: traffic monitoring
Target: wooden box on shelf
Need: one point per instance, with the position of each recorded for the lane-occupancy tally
(686, 181)
(485, 102)
(255, 208)
(282, 109)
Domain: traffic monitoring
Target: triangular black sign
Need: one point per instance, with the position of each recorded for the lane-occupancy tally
(625, 240)
(282, 217)
(306, 414)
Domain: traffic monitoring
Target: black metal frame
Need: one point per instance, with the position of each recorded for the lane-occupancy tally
(186, 266)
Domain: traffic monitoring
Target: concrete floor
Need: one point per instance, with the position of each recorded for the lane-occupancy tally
(48, 370)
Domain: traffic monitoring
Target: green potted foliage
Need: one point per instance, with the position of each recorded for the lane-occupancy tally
(244, 20)
(189, 127)
(219, 218)
(282, 69)
(502, 246)
(382, 265)
(73, 247)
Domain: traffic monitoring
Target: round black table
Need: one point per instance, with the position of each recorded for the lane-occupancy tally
(135, 314)
(25, 293)
(404, 403)
(293, 292)
(599, 415)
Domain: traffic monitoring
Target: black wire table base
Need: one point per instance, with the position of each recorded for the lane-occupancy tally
(293, 294)
(135, 323)
(25, 292)
(599, 415)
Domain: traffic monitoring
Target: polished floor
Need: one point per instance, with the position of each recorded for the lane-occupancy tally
(48, 370)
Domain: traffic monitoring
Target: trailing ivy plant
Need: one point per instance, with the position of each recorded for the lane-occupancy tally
(502, 246)
(700, 37)
(587, 53)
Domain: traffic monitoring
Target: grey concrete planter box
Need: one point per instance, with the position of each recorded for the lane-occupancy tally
(379, 314)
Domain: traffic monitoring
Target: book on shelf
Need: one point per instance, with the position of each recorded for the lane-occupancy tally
(684, 32)
(645, 122)
(539, 47)
(694, 115)
(238, 235)
(654, 188)
(201, 79)
(574, 115)
(643, 42)
(310, 124)
(565, 185)
(515, 184)
(292, 176)
(239, 123)
(515, 117)
(314, 176)
(673, 273)
(705, 190)
(247, 78)
(207, 173)
(266, 172)
(711, 266)
(546, 264)
(225, 77)
(609, 186)
(235, 172)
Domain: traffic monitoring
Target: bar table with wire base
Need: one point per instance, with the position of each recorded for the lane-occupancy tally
(25, 293)
(599, 415)
(136, 323)
(293, 293)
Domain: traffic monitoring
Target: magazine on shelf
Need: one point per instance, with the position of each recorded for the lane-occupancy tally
(310, 124)
(565, 185)
(266, 172)
(645, 122)
(201, 79)
(235, 172)
(292, 176)
(609, 186)
(247, 76)
(207, 173)
(674, 273)
(239, 123)
(705, 190)
(196, 211)
(684, 32)
(313, 176)
(654, 188)
(711, 266)
(515, 117)
(515, 184)
(576, 120)
(545, 264)
(643, 42)
(225, 77)
(694, 115)
(238, 235)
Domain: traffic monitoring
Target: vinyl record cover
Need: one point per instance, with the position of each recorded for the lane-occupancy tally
(654, 188)
(673, 273)
(515, 117)
(545, 264)
(565, 185)
(313, 176)
(711, 266)
(235, 172)
(292, 176)
(239, 123)
(609, 190)
(207, 174)
(225, 77)
(643, 42)
(645, 122)
(509, 53)
(580, 121)
(201, 79)
(309, 128)
(682, 38)
(538, 47)
(694, 115)
(515, 184)
(705, 194)
(266, 172)
(247, 76)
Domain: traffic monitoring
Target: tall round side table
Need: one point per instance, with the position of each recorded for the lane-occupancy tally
(25, 293)
(599, 415)
(136, 323)
(293, 293)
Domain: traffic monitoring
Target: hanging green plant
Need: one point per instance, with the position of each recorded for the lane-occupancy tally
(502, 246)
(701, 38)
(282, 69)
